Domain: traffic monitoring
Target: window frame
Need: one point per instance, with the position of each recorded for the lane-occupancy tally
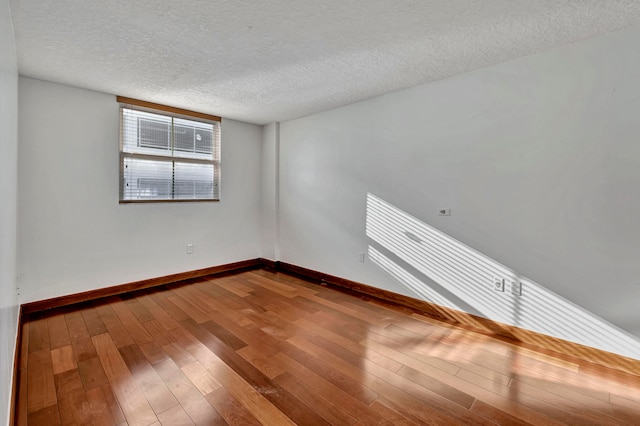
(170, 113)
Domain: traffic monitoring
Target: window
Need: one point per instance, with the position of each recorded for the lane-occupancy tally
(167, 154)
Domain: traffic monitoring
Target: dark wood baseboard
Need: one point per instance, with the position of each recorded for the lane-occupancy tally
(16, 370)
(271, 265)
(590, 358)
(70, 299)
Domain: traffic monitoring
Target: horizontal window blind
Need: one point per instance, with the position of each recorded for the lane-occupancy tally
(167, 157)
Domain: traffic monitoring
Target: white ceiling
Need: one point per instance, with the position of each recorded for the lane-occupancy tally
(265, 61)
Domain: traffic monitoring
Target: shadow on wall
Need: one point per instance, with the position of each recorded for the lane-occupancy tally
(439, 269)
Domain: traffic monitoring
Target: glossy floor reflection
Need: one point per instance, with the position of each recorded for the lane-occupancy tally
(267, 348)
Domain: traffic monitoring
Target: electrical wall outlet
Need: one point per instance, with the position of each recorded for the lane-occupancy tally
(515, 287)
(444, 212)
(189, 248)
(361, 257)
(498, 284)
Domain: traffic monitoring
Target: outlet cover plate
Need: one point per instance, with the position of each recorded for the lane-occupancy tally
(515, 287)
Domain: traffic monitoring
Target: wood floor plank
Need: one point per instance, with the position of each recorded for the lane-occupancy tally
(196, 298)
(251, 398)
(197, 315)
(153, 352)
(390, 414)
(439, 388)
(175, 416)
(219, 303)
(498, 416)
(105, 409)
(328, 390)
(201, 378)
(296, 410)
(503, 368)
(574, 411)
(23, 345)
(189, 397)
(225, 335)
(196, 348)
(39, 334)
(134, 327)
(58, 332)
(343, 344)
(249, 335)
(93, 322)
(234, 287)
(231, 410)
(158, 332)
(63, 359)
(275, 325)
(281, 289)
(80, 339)
(45, 416)
(41, 388)
(152, 386)
(346, 310)
(263, 363)
(21, 405)
(67, 383)
(92, 373)
(565, 390)
(164, 318)
(134, 404)
(332, 413)
(503, 398)
(412, 360)
(161, 298)
(179, 354)
(342, 381)
(74, 408)
(101, 414)
(117, 331)
(262, 297)
(140, 311)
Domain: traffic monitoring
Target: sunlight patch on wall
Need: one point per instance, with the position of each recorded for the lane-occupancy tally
(416, 286)
(468, 275)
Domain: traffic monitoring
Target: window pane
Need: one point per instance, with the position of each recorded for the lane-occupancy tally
(194, 181)
(183, 138)
(146, 133)
(146, 180)
(192, 136)
(153, 134)
(204, 141)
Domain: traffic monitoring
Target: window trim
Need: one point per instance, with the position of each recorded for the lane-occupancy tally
(169, 109)
(139, 105)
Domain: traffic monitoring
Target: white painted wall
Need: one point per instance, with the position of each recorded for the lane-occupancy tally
(539, 160)
(269, 190)
(73, 234)
(8, 204)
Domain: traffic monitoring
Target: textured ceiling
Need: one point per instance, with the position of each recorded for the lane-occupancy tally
(265, 61)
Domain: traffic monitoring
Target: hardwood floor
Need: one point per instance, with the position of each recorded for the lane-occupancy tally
(268, 348)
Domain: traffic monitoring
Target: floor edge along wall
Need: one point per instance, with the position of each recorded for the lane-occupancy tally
(16, 369)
